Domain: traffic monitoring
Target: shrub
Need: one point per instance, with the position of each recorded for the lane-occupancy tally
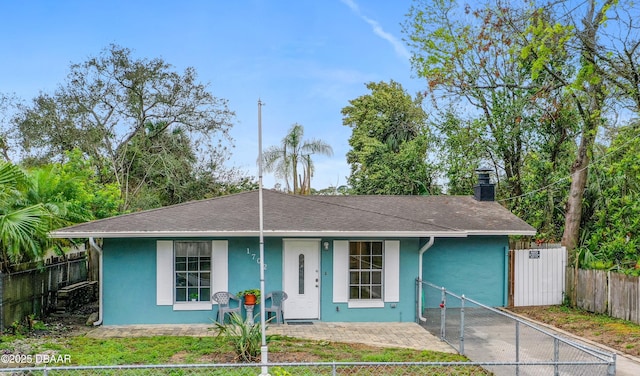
(245, 338)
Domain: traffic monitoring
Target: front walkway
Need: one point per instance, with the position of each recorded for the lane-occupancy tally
(383, 334)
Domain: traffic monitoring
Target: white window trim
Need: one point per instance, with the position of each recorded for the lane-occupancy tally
(340, 271)
(391, 275)
(186, 288)
(370, 303)
(165, 278)
(220, 261)
(192, 306)
(365, 303)
(391, 271)
(164, 273)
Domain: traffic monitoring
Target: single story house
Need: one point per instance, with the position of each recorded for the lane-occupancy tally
(339, 258)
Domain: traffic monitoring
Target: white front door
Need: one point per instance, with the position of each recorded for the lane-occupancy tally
(301, 279)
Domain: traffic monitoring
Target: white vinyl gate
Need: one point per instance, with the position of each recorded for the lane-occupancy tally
(539, 276)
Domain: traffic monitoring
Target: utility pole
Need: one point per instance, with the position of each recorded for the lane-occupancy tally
(264, 350)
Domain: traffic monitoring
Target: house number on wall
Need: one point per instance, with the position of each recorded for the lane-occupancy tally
(253, 256)
(534, 254)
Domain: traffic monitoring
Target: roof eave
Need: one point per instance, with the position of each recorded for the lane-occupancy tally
(283, 233)
(237, 234)
(501, 232)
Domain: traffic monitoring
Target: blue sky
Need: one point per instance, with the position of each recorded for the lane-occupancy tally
(304, 59)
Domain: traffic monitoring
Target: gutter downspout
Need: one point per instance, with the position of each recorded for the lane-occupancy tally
(95, 246)
(422, 251)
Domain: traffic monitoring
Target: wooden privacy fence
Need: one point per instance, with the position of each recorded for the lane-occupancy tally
(536, 276)
(33, 290)
(600, 291)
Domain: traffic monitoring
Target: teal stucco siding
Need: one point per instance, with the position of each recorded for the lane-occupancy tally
(129, 277)
(475, 266)
(402, 311)
(244, 264)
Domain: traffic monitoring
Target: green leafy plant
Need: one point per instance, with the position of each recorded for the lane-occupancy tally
(255, 292)
(245, 338)
(24, 326)
(193, 296)
(279, 371)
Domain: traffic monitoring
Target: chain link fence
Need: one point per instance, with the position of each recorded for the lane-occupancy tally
(516, 346)
(497, 344)
(273, 369)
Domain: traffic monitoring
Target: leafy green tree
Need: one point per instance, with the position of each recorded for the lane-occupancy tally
(575, 51)
(45, 198)
(389, 142)
(612, 206)
(332, 190)
(548, 35)
(7, 103)
(285, 159)
(47, 131)
(461, 146)
(23, 227)
(53, 190)
(83, 189)
(467, 53)
(164, 170)
(523, 65)
(161, 166)
(108, 101)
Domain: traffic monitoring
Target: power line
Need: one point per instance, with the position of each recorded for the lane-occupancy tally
(592, 163)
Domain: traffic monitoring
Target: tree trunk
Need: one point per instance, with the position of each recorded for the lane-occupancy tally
(580, 171)
(579, 175)
(591, 117)
(573, 213)
(294, 163)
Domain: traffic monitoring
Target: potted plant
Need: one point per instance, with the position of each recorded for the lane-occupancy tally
(251, 296)
(193, 296)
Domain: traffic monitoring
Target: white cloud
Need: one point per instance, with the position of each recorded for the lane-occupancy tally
(352, 4)
(397, 44)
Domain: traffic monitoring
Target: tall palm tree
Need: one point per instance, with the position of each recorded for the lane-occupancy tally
(283, 159)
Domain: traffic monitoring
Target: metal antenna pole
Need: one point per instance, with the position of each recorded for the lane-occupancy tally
(264, 350)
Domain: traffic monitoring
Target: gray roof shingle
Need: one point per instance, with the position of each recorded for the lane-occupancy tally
(291, 215)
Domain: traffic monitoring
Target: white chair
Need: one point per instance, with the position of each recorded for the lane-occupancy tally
(277, 299)
(224, 299)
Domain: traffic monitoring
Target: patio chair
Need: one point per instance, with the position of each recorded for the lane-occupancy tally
(277, 301)
(224, 299)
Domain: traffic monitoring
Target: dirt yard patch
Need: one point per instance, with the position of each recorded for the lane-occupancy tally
(621, 335)
(68, 324)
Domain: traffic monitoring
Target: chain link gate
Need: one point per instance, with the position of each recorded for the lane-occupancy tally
(513, 345)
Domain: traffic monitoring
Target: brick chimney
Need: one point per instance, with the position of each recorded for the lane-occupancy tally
(484, 190)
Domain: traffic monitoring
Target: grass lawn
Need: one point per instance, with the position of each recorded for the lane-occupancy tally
(169, 349)
(192, 350)
(616, 333)
(82, 350)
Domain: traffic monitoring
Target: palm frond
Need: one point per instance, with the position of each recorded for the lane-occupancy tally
(11, 175)
(22, 232)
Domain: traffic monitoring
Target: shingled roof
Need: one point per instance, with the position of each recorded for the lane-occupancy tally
(293, 215)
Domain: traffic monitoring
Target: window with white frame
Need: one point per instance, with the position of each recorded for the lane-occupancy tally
(192, 267)
(366, 270)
